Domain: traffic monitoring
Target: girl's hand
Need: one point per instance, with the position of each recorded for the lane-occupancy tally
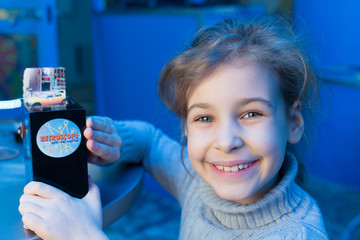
(53, 214)
(103, 140)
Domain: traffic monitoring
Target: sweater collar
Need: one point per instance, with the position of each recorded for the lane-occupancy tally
(279, 201)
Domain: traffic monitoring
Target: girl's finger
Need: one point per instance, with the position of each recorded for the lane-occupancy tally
(37, 225)
(103, 124)
(32, 221)
(30, 207)
(101, 137)
(93, 201)
(92, 158)
(43, 190)
(102, 150)
(33, 199)
(94, 191)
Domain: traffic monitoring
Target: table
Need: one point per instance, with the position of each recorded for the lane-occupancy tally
(120, 185)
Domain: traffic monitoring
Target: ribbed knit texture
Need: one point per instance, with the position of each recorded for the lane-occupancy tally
(285, 212)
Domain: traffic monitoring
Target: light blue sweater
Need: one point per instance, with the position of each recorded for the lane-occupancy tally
(286, 212)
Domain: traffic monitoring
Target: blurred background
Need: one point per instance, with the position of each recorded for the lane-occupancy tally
(113, 52)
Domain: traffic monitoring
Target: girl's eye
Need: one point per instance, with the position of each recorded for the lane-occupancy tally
(205, 119)
(251, 115)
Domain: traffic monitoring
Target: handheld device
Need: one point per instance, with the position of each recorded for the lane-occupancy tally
(54, 125)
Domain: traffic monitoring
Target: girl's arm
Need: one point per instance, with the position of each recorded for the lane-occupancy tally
(140, 143)
(53, 214)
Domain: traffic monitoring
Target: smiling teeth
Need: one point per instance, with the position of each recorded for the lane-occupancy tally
(234, 168)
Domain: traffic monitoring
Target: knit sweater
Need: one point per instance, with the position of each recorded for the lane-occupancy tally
(285, 212)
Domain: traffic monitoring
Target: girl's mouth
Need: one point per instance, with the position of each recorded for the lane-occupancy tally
(226, 169)
(234, 168)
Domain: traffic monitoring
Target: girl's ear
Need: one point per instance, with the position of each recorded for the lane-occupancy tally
(296, 123)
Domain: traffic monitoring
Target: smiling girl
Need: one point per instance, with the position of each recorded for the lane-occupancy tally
(240, 90)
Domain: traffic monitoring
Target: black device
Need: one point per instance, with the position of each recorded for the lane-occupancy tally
(57, 146)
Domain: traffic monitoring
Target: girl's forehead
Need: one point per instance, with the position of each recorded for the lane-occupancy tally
(237, 75)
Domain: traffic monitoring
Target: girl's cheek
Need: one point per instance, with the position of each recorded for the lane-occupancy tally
(195, 143)
(200, 136)
(270, 141)
(198, 143)
(260, 139)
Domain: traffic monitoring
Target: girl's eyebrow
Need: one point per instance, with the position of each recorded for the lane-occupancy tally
(199, 105)
(246, 101)
(241, 102)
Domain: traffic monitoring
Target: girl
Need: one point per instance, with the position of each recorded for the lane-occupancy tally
(239, 89)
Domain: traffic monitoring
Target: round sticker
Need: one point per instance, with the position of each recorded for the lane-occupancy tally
(58, 138)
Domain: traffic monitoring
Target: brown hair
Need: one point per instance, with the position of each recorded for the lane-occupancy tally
(267, 40)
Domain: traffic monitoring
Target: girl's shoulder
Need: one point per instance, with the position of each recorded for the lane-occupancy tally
(306, 220)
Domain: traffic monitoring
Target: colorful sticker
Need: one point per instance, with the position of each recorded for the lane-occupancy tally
(58, 138)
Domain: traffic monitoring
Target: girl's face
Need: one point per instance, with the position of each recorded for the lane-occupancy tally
(237, 130)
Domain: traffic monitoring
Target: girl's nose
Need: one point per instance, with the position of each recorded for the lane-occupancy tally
(228, 137)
